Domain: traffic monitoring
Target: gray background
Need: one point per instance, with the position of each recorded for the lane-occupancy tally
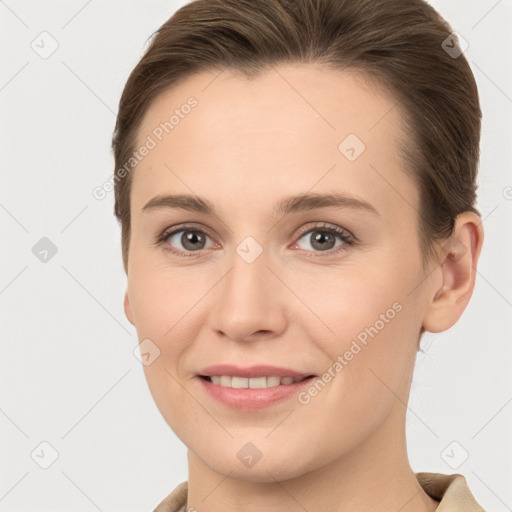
(68, 374)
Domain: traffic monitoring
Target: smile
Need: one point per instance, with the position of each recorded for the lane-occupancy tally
(229, 381)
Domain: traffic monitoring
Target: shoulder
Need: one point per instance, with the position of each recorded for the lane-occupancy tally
(451, 491)
(176, 501)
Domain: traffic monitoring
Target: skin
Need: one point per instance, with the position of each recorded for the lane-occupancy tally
(246, 145)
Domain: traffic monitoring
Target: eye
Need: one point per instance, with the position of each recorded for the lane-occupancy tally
(322, 239)
(191, 239)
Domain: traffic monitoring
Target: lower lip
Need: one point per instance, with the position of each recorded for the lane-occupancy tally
(251, 399)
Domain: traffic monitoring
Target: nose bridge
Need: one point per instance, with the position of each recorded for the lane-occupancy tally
(248, 279)
(246, 302)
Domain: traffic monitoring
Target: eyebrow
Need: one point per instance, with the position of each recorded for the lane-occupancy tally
(287, 205)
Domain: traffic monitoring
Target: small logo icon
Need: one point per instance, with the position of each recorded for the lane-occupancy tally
(44, 45)
(454, 45)
(249, 249)
(44, 250)
(454, 455)
(44, 455)
(454, 249)
(249, 455)
(351, 147)
(146, 352)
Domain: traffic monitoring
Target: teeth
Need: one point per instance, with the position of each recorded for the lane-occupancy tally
(254, 382)
(239, 382)
(272, 382)
(225, 381)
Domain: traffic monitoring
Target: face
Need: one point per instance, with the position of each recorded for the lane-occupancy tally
(323, 290)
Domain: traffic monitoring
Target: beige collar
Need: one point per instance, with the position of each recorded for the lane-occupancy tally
(451, 491)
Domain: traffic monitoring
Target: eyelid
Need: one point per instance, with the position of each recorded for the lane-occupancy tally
(320, 225)
(171, 231)
(167, 232)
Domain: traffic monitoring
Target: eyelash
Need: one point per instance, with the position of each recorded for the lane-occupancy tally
(346, 237)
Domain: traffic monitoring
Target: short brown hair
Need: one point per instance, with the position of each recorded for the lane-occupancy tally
(397, 43)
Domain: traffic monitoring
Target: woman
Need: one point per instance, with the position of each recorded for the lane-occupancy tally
(295, 182)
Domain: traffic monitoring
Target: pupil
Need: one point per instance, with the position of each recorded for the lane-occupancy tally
(322, 239)
(191, 238)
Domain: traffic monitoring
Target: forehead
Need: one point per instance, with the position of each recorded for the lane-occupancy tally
(291, 129)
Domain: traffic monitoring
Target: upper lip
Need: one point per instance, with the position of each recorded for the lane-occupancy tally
(260, 370)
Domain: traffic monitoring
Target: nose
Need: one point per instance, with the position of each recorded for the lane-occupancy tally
(250, 302)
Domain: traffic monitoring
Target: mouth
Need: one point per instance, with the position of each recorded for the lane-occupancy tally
(253, 393)
(252, 387)
(262, 382)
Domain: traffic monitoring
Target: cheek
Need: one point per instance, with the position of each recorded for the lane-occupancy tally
(367, 317)
(370, 327)
(158, 300)
(160, 306)
(369, 359)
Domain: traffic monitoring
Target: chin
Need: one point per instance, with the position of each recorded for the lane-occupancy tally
(261, 472)
(258, 462)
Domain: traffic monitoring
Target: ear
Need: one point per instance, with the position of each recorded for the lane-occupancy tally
(458, 258)
(127, 308)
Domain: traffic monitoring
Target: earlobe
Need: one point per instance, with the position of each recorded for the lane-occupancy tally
(458, 258)
(127, 308)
